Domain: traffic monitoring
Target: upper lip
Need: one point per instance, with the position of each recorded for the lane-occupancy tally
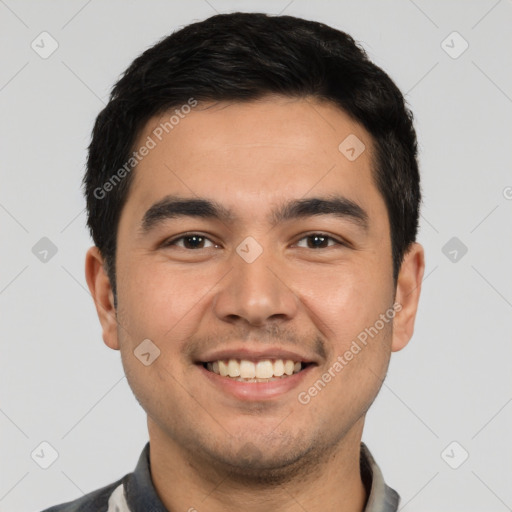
(255, 355)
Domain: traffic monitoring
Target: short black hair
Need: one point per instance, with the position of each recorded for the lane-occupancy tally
(243, 57)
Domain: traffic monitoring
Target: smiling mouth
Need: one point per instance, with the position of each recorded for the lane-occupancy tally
(266, 370)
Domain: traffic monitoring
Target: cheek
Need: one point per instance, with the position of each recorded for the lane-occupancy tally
(345, 300)
(158, 301)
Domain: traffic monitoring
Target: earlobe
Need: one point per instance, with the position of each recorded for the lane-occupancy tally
(101, 292)
(407, 295)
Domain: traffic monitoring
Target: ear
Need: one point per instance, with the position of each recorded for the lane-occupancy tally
(101, 291)
(407, 295)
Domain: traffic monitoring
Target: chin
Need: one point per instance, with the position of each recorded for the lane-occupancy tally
(264, 463)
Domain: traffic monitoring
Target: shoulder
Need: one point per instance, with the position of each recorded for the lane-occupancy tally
(95, 501)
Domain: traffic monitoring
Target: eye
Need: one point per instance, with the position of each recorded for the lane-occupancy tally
(318, 241)
(190, 241)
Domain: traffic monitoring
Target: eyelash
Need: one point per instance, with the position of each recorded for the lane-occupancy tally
(173, 241)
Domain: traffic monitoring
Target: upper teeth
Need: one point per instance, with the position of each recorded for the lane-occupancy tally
(264, 369)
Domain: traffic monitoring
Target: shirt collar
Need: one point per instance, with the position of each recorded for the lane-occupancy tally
(381, 498)
(142, 497)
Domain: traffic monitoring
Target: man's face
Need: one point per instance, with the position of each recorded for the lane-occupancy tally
(255, 285)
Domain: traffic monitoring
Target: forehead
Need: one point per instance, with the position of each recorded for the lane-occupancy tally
(250, 153)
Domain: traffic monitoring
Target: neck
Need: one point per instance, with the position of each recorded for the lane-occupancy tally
(184, 481)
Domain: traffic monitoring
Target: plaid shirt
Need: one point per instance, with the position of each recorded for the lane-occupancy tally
(135, 491)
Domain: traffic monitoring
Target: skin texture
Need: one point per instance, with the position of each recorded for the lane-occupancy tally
(255, 455)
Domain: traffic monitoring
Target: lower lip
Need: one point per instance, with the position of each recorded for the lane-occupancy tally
(253, 391)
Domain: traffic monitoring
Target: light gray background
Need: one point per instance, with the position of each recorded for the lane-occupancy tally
(62, 385)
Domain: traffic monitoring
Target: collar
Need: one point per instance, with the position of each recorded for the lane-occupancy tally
(381, 498)
(141, 495)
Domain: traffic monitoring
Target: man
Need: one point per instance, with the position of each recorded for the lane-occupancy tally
(253, 195)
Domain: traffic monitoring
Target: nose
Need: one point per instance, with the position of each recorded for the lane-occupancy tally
(256, 292)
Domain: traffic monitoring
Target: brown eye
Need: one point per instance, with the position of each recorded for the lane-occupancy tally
(318, 241)
(192, 241)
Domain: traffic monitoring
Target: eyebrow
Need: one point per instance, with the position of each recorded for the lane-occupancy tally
(172, 207)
